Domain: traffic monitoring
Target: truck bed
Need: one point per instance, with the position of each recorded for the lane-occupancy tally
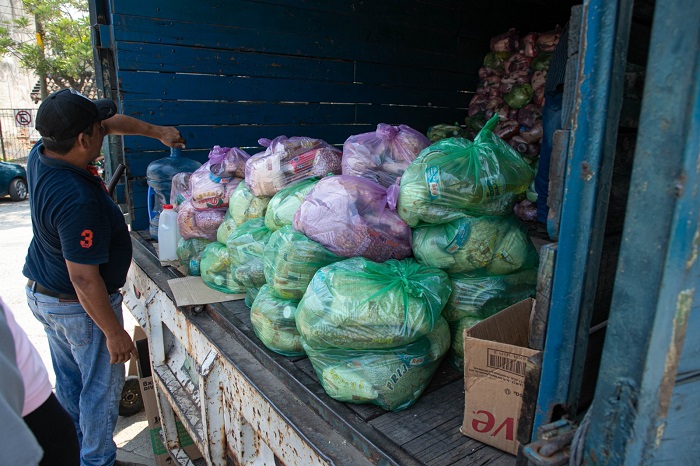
(286, 407)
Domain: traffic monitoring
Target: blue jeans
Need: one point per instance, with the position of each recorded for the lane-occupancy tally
(551, 121)
(87, 385)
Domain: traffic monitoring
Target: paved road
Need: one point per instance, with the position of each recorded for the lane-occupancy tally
(131, 434)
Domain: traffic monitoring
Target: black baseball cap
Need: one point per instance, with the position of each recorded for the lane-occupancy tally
(66, 113)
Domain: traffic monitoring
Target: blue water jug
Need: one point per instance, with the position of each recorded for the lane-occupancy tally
(159, 176)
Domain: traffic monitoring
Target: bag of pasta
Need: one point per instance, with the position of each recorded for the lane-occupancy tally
(455, 177)
(360, 304)
(488, 245)
(392, 378)
(273, 322)
(382, 155)
(215, 268)
(475, 297)
(291, 260)
(351, 216)
(284, 204)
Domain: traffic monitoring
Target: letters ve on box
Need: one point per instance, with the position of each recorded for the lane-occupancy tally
(496, 361)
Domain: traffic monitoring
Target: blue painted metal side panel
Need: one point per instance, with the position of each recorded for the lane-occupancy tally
(681, 435)
(648, 386)
(602, 54)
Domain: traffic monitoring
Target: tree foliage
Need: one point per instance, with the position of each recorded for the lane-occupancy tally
(67, 53)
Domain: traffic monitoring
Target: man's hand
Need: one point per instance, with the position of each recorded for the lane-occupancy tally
(120, 347)
(171, 137)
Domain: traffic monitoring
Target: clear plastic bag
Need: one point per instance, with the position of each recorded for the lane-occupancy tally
(195, 223)
(349, 215)
(382, 155)
(288, 160)
(392, 378)
(487, 245)
(454, 177)
(360, 304)
(273, 322)
(291, 260)
(213, 183)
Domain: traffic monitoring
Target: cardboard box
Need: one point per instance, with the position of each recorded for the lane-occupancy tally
(496, 363)
(148, 393)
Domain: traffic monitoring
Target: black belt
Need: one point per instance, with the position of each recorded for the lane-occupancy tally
(36, 287)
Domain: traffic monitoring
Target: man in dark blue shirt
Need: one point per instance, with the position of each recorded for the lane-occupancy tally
(78, 259)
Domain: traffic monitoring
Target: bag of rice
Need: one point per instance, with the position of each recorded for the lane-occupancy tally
(360, 304)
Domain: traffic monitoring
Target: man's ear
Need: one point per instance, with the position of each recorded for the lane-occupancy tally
(82, 141)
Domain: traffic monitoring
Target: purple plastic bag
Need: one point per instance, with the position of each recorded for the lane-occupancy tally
(288, 160)
(349, 216)
(382, 155)
(226, 162)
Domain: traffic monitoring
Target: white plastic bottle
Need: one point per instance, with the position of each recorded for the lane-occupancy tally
(168, 234)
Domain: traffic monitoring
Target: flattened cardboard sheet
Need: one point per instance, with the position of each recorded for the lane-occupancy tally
(191, 291)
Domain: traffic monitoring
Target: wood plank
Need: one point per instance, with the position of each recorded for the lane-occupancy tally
(200, 113)
(165, 86)
(399, 46)
(431, 434)
(246, 137)
(202, 60)
(389, 24)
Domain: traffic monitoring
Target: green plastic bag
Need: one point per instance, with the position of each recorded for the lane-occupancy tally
(455, 177)
(284, 204)
(488, 245)
(290, 261)
(392, 378)
(189, 252)
(245, 246)
(360, 304)
(225, 229)
(273, 322)
(244, 206)
(215, 268)
(474, 298)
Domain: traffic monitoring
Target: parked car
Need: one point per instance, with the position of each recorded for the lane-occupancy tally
(13, 181)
